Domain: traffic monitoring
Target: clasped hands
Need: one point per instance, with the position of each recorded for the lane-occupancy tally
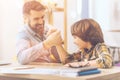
(53, 38)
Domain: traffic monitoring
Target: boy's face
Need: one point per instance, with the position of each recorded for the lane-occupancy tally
(80, 43)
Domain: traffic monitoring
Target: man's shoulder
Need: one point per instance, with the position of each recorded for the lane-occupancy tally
(22, 35)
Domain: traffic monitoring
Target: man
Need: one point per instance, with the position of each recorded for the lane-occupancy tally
(36, 42)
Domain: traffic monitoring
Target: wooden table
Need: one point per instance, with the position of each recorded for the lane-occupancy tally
(106, 74)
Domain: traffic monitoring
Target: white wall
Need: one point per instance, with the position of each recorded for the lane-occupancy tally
(105, 15)
(0, 30)
(72, 16)
(10, 21)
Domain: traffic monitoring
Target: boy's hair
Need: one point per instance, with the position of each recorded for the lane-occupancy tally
(32, 5)
(88, 30)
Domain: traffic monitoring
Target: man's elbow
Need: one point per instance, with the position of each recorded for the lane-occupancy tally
(22, 61)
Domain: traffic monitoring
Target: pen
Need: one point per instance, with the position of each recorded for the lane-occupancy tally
(23, 68)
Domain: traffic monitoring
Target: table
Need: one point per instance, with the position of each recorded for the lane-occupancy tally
(106, 74)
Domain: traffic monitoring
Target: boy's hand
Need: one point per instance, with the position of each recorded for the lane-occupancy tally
(53, 39)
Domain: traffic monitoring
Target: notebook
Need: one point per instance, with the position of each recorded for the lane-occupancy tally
(89, 72)
(79, 71)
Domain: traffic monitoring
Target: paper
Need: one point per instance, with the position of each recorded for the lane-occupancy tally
(73, 72)
(63, 71)
(28, 70)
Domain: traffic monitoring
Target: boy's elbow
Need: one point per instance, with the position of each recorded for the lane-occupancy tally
(108, 65)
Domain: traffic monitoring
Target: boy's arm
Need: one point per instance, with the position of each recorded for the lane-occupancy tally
(62, 53)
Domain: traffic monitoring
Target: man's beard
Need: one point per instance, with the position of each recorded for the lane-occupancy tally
(38, 28)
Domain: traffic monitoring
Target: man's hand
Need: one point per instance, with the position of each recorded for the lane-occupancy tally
(53, 39)
(51, 30)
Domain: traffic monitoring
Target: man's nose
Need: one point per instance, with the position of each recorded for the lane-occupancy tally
(41, 21)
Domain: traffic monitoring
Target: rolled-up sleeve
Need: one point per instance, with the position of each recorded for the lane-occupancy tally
(27, 53)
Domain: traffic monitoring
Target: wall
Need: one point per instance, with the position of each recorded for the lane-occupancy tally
(10, 21)
(1, 31)
(72, 16)
(105, 16)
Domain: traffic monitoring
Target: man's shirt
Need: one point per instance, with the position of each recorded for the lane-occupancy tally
(30, 47)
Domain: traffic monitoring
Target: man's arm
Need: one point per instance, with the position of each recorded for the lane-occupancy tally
(27, 53)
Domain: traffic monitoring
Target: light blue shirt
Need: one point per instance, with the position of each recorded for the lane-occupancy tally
(30, 47)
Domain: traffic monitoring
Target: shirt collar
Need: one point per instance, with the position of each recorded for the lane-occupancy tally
(30, 30)
(34, 33)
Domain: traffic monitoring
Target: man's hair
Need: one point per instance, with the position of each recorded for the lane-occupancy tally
(32, 5)
(88, 30)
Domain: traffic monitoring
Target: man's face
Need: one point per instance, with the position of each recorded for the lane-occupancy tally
(36, 21)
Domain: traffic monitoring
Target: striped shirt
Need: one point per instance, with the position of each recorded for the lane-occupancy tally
(99, 53)
(30, 47)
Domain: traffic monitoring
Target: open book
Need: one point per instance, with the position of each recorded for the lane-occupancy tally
(79, 71)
